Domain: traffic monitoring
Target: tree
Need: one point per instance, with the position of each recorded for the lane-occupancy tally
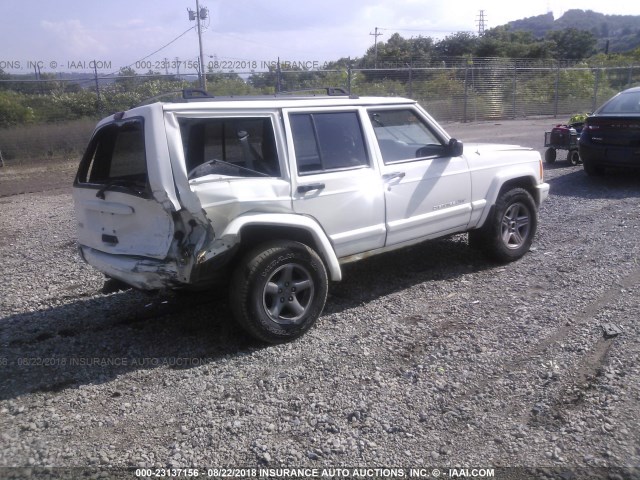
(399, 52)
(457, 45)
(126, 79)
(228, 84)
(504, 42)
(572, 44)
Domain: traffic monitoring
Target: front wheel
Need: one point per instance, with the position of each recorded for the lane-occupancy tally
(278, 291)
(508, 232)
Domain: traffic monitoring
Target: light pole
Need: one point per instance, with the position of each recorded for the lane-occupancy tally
(200, 14)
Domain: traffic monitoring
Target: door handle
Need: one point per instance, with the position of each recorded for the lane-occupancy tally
(310, 187)
(390, 176)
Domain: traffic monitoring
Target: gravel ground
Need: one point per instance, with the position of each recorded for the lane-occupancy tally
(429, 357)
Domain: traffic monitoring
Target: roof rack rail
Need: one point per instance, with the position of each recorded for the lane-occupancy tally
(177, 95)
(173, 93)
(330, 91)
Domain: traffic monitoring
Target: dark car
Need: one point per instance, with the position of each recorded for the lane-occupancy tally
(611, 136)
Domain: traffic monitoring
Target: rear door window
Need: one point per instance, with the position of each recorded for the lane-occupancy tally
(328, 141)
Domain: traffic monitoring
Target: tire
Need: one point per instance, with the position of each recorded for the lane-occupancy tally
(509, 230)
(574, 157)
(591, 169)
(550, 155)
(278, 291)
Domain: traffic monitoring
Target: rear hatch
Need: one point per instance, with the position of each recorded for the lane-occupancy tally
(116, 210)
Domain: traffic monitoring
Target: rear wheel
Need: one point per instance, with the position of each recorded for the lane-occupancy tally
(508, 233)
(550, 155)
(278, 291)
(591, 169)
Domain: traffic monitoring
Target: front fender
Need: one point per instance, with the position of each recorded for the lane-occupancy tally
(525, 178)
(230, 237)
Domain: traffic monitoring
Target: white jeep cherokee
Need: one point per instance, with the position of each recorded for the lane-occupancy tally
(271, 195)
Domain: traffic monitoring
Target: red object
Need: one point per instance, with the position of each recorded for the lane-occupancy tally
(560, 135)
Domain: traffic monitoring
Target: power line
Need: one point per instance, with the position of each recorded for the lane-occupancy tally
(163, 47)
(429, 30)
(82, 81)
(156, 51)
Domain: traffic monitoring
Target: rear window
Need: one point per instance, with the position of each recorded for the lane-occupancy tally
(116, 156)
(626, 102)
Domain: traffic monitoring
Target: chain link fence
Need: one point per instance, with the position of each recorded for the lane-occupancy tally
(54, 117)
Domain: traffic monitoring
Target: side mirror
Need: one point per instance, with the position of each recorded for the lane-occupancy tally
(455, 148)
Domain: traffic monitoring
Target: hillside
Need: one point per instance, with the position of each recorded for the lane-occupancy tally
(621, 31)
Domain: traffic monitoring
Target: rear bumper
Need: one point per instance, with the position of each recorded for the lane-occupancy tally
(138, 272)
(610, 156)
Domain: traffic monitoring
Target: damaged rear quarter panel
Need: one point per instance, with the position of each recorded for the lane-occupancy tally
(224, 199)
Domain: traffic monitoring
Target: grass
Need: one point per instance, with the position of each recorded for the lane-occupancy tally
(38, 143)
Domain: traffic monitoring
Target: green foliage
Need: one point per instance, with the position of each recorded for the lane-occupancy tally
(578, 118)
(13, 110)
(572, 44)
(228, 84)
(457, 45)
(398, 51)
(505, 42)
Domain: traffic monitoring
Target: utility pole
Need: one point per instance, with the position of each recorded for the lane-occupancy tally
(200, 14)
(95, 72)
(375, 46)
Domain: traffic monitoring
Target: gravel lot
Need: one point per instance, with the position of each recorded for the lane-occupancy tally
(429, 357)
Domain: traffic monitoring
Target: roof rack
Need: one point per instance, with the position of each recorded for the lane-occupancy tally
(197, 94)
(174, 93)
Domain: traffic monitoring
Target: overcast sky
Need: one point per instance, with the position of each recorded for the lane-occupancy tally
(64, 34)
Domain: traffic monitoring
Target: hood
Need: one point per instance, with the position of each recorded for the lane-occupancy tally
(487, 155)
(488, 148)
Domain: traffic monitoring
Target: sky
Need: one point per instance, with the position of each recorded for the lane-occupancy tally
(65, 35)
